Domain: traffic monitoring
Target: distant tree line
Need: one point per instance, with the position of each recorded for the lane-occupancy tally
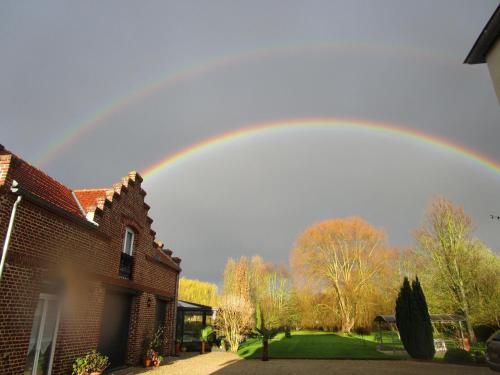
(342, 273)
(197, 291)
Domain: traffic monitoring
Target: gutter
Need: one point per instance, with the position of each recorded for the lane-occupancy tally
(14, 189)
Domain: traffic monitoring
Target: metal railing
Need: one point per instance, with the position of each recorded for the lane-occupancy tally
(126, 266)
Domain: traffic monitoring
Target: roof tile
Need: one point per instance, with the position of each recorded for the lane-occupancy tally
(43, 186)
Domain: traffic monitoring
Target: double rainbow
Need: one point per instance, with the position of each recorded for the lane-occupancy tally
(63, 141)
(287, 126)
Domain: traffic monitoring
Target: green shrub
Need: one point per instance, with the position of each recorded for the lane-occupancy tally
(158, 339)
(458, 356)
(206, 332)
(363, 331)
(478, 356)
(90, 362)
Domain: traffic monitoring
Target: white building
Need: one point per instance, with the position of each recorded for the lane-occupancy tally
(487, 50)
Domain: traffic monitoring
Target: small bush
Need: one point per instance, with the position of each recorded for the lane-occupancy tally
(458, 356)
(288, 334)
(90, 362)
(365, 331)
(478, 356)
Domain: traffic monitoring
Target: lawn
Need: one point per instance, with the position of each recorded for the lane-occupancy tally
(316, 344)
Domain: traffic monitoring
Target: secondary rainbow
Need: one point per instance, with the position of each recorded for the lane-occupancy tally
(95, 120)
(309, 124)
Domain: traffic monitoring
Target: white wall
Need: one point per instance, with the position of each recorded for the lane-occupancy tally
(493, 61)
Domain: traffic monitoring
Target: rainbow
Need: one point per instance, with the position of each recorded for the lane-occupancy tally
(309, 124)
(90, 123)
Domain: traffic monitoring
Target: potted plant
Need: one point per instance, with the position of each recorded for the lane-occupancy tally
(157, 362)
(206, 332)
(92, 363)
(158, 342)
(149, 357)
(153, 347)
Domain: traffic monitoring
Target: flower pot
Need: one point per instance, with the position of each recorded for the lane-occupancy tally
(156, 363)
(147, 362)
(95, 373)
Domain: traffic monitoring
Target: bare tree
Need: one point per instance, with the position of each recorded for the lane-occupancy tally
(344, 256)
(445, 240)
(234, 318)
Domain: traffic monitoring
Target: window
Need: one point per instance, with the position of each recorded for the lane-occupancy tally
(43, 336)
(128, 241)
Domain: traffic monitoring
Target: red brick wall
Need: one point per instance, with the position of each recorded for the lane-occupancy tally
(47, 246)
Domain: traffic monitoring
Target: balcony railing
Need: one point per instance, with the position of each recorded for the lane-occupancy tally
(126, 265)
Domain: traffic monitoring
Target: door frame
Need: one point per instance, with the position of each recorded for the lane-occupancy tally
(46, 298)
(130, 295)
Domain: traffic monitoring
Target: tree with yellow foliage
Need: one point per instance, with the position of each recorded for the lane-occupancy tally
(349, 260)
(197, 291)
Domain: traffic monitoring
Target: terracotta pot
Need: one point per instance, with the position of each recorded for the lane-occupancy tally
(156, 363)
(95, 373)
(147, 362)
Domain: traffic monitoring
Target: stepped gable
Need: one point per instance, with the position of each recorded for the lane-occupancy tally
(92, 201)
(37, 183)
(95, 201)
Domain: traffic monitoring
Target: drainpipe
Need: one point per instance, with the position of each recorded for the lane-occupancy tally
(174, 350)
(14, 188)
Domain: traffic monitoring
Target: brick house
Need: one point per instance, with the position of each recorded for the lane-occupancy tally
(83, 271)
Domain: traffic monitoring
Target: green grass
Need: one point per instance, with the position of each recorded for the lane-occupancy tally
(316, 345)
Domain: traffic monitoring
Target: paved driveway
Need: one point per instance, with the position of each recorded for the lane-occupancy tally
(229, 364)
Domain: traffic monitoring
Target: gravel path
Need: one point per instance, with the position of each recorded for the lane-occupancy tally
(229, 364)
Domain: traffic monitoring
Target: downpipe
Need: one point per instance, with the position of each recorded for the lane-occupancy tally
(13, 189)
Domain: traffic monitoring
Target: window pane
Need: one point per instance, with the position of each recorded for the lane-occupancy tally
(128, 242)
(192, 327)
(33, 337)
(47, 339)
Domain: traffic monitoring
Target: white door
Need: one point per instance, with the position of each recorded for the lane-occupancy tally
(43, 336)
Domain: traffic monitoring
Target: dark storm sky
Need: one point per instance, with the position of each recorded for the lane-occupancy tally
(387, 61)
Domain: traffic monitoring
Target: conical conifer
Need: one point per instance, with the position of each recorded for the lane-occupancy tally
(424, 339)
(403, 315)
(413, 321)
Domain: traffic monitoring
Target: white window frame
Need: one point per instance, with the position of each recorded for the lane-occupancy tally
(127, 231)
(46, 298)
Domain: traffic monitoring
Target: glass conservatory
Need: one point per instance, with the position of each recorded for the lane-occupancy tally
(191, 319)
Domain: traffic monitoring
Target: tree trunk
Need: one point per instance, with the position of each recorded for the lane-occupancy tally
(470, 331)
(202, 347)
(347, 321)
(265, 350)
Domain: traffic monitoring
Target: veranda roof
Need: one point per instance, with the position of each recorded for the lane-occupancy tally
(190, 306)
